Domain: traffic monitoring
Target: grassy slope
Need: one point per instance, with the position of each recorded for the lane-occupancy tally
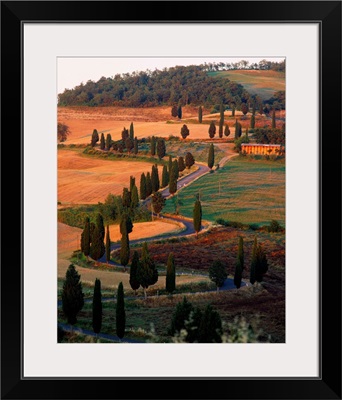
(262, 83)
(251, 191)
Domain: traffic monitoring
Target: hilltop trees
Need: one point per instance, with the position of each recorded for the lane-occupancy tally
(211, 156)
(72, 295)
(170, 284)
(184, 131)
(133, 278)
(200, 114)
(97, 307)
(147, 272)
(189, 160)
(239, 266)
(197, 216)
(218, 273)
(161, 148)
(94, 138)
(212, 129)
(120, 319)
(63, 132)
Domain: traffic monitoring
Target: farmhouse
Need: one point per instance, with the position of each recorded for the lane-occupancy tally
(255, 148)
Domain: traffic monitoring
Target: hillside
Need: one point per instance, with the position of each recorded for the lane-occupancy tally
(263, 83)
(184, 85)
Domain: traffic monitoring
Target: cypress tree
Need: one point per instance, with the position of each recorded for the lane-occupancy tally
(189, 160)
(239, 266)
(210, 329)
(126, 198)
(134, 198)
(221, 130)
(273, 120)
(85, 238)
(179, 112)
(200, 114)
(124, 248)
(108, 141)
(221, 120)
(170, 274)
(135, 151)
(262, 264)
(170, 164)
(124, 135)
(161, 148)
(129, 144)
(180, 315)
(133, 278)
(107, 245)
(102, 142)
(131, 182)
(120, 312)
(147, 271)
(72, 295)
(97, 307)
(184, 131)
(212, 129)
(94, 138)
(165, 177)
(172, 182)
(217, 273)
(155, 179)
(226, 130)
(174, 111)
(143, 187)
(148, 184)
(181, 164)
(236, 129)
(233, 111)
(175, 168)
(97, 248)
(131, 131)
(253, 109)
(91, 230)
(100, 225)
(126, 224)
(253, 121)
(211, 156)
(197, 216)
(153, 146)
(254, 261)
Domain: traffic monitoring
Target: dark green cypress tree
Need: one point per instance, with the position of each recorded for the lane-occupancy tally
(172, 183)
(236, 129)
(91, 230)
(221, 120)
(254, 261)
(165, 177)
(180, 315)
(143, 187)
(100, 225)
(262, 264)
(124, 248)
(120, 319)
(211, 156)
(72, 295)
(179, 112)
(97, 307)
(175, 168)
(129, 144)
(97, 248)
(102, 142)
(133, 278)
(161, 148)
(273, 120)
(217, 273)
(184, 131)
(153, 146)
(155, 179)
(126, 198)
(94, 138)
(85, 238)
(124, 136)
(233, 111)
(131, 131)
(197, 216)
(174, 111)
(126, 223)
(220, 130)
(170, 164)
(108, 141)
(170, 274)
(131, 182)
(148, 184)
(135, 149)
(252, 121)
(189, 160)
(134, 198)
(212, 129)
(239, 266)
(200, 114)
(210, 329)
(226, 130)
(147, 271)
(181, 164)
(107, 245)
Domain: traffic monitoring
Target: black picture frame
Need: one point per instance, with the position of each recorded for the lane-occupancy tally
(328, 15)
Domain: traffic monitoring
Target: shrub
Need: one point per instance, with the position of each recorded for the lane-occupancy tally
(274, 226)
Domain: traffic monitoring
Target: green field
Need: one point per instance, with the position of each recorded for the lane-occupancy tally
(244, 190)
(262, 83)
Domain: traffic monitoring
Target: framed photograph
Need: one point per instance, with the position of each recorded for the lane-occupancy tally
(178, 216)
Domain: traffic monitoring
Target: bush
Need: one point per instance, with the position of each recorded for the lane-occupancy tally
(274, 226)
